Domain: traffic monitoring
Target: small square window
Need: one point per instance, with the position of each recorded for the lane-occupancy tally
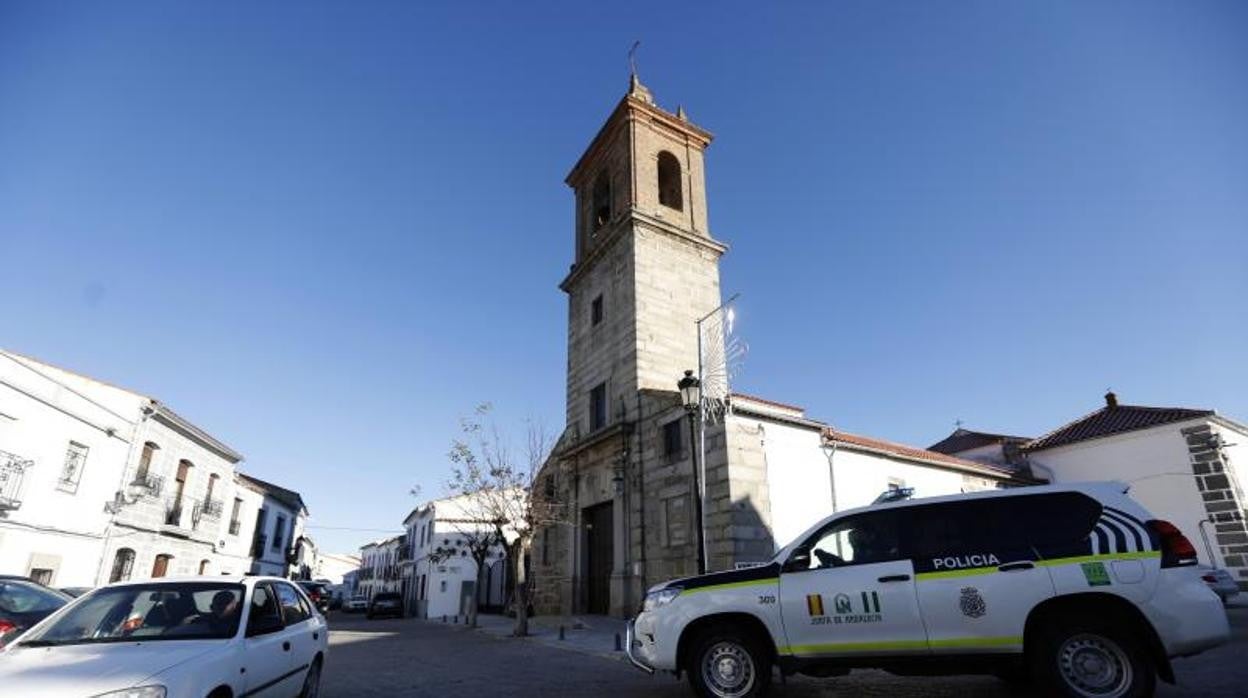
(41, 576)
(598, 407)
(595, 311)
(672, 440)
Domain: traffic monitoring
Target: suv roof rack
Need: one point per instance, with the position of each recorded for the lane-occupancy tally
(894, 494)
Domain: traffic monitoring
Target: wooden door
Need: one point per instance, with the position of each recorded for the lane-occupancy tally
(599, 536)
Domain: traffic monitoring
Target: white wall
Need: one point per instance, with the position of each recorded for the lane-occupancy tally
(801, 489)
(1154, 462)
(57, 527)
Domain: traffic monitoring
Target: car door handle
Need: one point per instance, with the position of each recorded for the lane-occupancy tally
(1016, 566)
(286, 646)
(895, 578)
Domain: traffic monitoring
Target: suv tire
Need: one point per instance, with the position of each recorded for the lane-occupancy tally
(724, 662)
(1092, 658)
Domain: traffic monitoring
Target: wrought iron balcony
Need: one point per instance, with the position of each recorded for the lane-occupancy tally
(149, 482)
(211, 508)
(12, 472)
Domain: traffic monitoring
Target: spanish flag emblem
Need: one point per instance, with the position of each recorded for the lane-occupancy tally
(814, 604)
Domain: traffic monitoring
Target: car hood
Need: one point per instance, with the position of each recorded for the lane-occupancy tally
(85, 670)
(749, 574)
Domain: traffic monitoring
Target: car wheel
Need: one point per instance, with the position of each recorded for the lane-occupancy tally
(312, 681)
(726, 663)
(1087, 658)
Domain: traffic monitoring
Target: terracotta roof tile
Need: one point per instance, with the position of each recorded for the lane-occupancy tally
(1113, 419)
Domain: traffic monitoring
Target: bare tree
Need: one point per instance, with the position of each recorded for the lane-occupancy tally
(504, 487)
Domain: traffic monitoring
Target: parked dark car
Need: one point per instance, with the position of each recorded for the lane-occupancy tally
(24, 603)
(318, 592)
(386, 604)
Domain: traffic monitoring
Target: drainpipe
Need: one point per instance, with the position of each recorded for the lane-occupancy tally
(829, 451)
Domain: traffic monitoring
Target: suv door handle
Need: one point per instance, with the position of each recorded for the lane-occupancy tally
(286, 646)
(1016, 566)
(895, 578)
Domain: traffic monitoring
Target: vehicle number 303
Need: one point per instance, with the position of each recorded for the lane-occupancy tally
(766, 598)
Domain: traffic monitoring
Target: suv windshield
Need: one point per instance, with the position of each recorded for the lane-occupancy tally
(147, 612)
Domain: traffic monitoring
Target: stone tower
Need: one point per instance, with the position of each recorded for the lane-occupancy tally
(646, 265)
(646, 269)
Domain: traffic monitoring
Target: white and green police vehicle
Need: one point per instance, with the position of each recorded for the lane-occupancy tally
(1075, 587)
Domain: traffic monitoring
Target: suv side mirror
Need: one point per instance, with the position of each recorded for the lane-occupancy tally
(798, 561)
(263, 624)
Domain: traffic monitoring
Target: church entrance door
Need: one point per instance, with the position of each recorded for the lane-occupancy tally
(599, 538)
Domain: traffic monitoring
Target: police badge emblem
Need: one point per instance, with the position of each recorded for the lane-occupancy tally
(972, 603)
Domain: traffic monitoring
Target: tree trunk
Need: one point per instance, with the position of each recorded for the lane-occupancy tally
(475, 606)
(522, 590)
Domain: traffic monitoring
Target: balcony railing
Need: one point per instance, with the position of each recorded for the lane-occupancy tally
(147, 481)
(12, 472)
(211, 508)
(235, 525)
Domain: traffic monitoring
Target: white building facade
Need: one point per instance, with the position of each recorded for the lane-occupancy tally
(441, 573)
(135, 491)
(380, 570)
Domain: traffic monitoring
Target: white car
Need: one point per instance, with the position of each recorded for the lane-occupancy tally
(1076, 587)
(356, 604)
(190, 637)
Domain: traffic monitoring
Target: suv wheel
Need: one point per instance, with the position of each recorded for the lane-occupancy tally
(725, 663)
(1090, 659)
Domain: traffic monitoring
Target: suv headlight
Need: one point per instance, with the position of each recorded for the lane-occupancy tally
(136, 692)
(659, 599)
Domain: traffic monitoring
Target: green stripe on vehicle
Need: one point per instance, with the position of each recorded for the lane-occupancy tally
(955, 573)
(961, 642)
(732, 585)
(951, 643)
(1145, 555)
(974, 571)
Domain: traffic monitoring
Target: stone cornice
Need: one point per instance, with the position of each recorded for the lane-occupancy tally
(637, 218)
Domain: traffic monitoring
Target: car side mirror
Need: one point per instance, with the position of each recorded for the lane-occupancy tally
(798, 562)
(263, 625)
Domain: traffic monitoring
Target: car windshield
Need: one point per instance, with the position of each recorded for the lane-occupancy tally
(145, 612)
(19, 597)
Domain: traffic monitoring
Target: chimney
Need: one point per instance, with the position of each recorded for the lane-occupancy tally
(1111, 400)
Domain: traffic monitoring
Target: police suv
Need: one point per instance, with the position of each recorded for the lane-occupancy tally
(1075, 587)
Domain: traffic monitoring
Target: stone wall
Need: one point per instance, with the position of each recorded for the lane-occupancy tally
(1224, 500)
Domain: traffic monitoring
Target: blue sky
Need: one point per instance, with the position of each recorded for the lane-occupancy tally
(325, 231)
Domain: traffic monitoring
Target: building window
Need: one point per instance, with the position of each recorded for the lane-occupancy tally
(598, 407)
(673, 440)
(71, 471)
(595, 311)
(442, 586)
(41, 576)
(161, 567)
(601, 201)
(279, 532)
(235, 524)
(203, 567)
(145, 462)
(676, 520)
(123, 565)
(212, 485)
(670, 194)
(896, 483)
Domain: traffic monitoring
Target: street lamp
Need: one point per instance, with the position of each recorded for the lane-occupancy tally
(691, 396)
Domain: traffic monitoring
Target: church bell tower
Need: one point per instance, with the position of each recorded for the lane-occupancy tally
(646, 266)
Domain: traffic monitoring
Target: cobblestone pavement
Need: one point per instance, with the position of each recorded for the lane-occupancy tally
(412, 658)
